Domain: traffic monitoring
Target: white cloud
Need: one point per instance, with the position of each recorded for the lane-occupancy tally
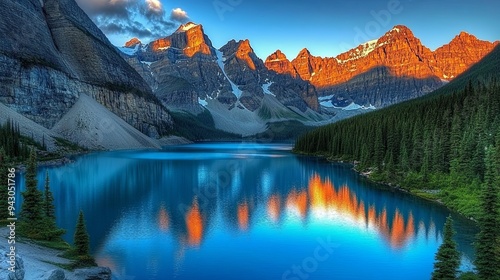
(179, 15)
(154, 6)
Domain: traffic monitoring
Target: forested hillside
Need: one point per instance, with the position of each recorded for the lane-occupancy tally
(435, 145)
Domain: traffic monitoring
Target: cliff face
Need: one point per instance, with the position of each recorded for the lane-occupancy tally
(394, 68)
(52, 52)
(244, 68)
(278, 63)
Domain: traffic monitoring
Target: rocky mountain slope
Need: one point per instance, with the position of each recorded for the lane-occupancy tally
(391, 69)
(187, 73)
(52, 53)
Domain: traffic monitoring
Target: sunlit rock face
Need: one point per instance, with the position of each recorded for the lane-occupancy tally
(463, 51)
(393, 68)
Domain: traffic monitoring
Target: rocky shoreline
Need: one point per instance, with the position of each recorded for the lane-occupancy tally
(36, 262)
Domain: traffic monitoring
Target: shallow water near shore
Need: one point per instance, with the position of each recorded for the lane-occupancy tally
(246, 211)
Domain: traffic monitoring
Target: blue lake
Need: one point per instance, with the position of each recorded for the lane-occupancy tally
(246, 211)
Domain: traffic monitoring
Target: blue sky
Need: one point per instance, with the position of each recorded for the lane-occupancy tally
(326, 28)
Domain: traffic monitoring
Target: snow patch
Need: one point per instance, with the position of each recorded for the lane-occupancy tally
(354, 106)
(188, 26)
(202, 102)
(324, 98)
(129, 51)
(327, 103)
(220, 62)
(358, 53)
(265, 88)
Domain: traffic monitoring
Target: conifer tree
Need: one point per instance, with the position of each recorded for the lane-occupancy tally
(32, 207)
(48, 203)
(81, 237)
(50, 229)
(487, 244)
(447, 257)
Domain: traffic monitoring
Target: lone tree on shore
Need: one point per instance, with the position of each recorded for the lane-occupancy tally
(51, 231)
(447, 257)
(81, 237)
(31, 209)
(82, 244)
(488, 239)
(48, 199)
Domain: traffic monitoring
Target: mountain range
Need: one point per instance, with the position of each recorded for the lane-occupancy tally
(73, 84)
(233, 82)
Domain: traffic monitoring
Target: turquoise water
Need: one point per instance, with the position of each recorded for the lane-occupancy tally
(246, 211)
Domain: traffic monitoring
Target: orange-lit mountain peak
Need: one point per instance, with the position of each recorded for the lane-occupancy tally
(132, 42)
(279, 63)
(189, 37)
(243, 53)
(188, 26)
(304, 53)
(276, 56)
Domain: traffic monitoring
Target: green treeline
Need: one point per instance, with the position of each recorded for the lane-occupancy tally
(10, 141)
(438, 142)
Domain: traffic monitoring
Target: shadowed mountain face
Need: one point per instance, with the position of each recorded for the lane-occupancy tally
(394, 68)
(51, 53)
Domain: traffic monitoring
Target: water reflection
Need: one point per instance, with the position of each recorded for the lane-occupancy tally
(183, 211)
(194, 225)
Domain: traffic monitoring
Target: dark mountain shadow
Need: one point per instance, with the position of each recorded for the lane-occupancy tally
(380, 87)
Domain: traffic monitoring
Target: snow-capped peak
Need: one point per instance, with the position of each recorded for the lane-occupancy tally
(361, 51)
(395, 29)
(187, 26)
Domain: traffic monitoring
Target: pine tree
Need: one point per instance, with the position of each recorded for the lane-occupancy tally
(81, 237)
(447, 257)
(32, 207)
(50, 229)
(487, 253)
(48, 203)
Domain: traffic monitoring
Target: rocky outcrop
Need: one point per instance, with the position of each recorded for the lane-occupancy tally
(6, 262)
(244, 68)
(247, 70)
(279, 63)
(93, 273)
(189, 37)
(55, 274)
(181, 68)
(394, 68)
(71, 56)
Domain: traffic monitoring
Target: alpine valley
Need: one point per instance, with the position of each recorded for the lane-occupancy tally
(74, 85)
